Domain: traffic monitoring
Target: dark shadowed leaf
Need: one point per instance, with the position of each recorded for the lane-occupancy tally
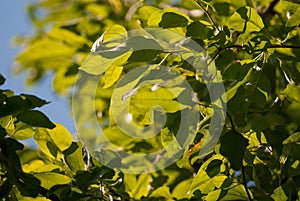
(35, 118)
(213, 167)
(233, 145)
(170, 19)
(198, 30)
(35, 101)
(2, 79)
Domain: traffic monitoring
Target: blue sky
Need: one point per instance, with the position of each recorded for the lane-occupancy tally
(14, 21)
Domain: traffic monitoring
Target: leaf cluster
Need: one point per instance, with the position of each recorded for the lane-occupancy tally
(255, 48)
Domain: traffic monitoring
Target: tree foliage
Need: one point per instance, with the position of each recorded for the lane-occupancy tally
(255, 47)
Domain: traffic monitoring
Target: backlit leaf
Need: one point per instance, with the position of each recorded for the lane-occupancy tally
(292, 92)
(50, 179)
(246, 19)
(61, 137)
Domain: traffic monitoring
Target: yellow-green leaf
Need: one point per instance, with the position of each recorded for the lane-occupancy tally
(49, 179)
(61, 137)
(246, 19)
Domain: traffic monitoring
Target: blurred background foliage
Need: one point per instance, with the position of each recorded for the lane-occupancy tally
(255, 47)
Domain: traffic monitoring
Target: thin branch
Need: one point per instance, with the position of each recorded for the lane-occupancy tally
(208, 15)
(271, 46)
(245, 183)
(231, 121)
(284, 46)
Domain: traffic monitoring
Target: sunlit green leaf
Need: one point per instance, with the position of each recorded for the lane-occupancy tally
(246, 19)
(50, 179)
(141, 188)
(295, 19)
(73, 157)
(144, 12)
(45, 49)
(279, 194)
(238, 192)
(162, 192)
(22, 131)
(160, 18)
(68, 36)
(145, 99)
(294, 138)
(202, 181)
(61, 137)
(292, 92)
(181, 190)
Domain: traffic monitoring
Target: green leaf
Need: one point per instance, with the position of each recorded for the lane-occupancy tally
(101, 11)
(5, 188)
(213, 168)
(258, 122)
(262, 177)
(233, 145)
(45, 50)
(68, 37)
(22, 131)
(202, 181)
(246, 19)
(162, 192)
(16, 104)
(141, 188)
(96, 64)
(114, 33)
(112, 76)
(34, 101)
(27, 184)
(144, 12)
(295, 19)
(113, 73)
(50, 179)
(279, 194)
(2, 79)
(237, 192)
(61, 137)
(294, 138)
(42, 138)
(170, 20)
(145, 99)
(292, 92)
(160, 19)
(181, 190)
(214, 195)
(74, 157)
(169, 142)
(33, 199)
(86, 178)
(199, 30)
(35, 118)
